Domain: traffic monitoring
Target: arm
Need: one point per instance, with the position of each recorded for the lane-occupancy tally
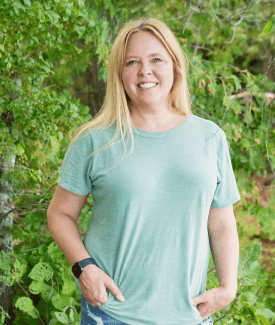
(224, 246)
(224, 243)
(63, 214)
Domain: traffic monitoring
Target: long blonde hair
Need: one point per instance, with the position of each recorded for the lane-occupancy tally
(115, 108)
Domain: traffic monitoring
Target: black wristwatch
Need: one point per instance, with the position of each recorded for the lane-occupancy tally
(78, 267)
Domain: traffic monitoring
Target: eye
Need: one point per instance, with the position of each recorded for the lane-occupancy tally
(156, 60)
(132, 62)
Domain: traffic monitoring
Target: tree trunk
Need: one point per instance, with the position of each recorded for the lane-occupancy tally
(6, 222)
(96, 87)
(89, 88)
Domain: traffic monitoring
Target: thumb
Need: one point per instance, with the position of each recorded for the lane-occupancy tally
(110, 284)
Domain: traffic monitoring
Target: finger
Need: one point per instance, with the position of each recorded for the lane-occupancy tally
(91, 301)
(204, 310)
(102, 297)
(96, 297)
(197, 300)
(95, 304)
(110, 284)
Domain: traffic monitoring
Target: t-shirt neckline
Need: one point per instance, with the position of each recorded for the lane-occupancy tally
(162, 134)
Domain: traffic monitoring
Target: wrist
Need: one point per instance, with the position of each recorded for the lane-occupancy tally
(78, 267)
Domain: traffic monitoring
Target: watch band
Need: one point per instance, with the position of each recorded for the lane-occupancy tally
(78, 267)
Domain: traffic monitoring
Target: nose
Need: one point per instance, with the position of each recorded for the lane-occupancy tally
(144, 69)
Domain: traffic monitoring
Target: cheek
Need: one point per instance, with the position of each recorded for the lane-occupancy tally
(128, 75)
(171, 76)
(127, 84)
(125, 80)
(168, 76)
(166, 71)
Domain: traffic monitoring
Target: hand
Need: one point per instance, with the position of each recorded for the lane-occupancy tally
(94, 283)
(213, 300)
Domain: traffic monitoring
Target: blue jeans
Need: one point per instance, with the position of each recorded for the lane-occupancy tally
(207, 321)
(92, 315)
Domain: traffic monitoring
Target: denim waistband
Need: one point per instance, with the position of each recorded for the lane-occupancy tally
(93, 315)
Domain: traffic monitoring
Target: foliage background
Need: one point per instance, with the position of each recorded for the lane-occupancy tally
(53, 58)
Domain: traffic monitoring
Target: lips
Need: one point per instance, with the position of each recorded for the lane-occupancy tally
(147, 85)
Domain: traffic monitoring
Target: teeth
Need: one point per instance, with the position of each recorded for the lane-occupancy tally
(147, 85)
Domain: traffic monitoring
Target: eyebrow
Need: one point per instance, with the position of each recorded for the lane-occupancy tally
(151, 55)
(155, 54)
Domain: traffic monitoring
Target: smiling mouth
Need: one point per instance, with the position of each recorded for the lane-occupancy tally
(147, 85)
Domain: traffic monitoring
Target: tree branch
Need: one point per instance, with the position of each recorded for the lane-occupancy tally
(39, 49)
(4, 215)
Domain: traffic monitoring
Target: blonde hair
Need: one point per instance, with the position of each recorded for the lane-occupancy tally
(115, 107)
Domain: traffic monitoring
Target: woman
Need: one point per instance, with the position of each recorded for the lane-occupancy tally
(145, 257)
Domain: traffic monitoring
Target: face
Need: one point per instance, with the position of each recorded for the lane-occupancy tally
(148, 72)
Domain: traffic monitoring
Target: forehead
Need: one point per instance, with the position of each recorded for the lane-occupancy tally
(144, 42)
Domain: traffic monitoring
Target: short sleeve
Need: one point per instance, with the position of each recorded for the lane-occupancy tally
(76, 166)
(226, 192)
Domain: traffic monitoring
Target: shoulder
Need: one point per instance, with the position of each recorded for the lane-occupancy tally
(208, 129)
(92, 135)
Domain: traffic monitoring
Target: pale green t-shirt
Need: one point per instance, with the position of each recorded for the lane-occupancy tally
(148, 228)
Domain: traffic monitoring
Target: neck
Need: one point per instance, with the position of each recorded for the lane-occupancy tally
(156, 121)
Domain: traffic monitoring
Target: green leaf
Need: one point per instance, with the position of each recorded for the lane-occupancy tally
(77, 319)
(237, 82)
(5, 262)
(36, 287)
(69, 288)
(60, 301)
(46, 292)
(17, 6)
(72, 314)
(255, 253)
(20, 268)
(81, 3)
(248, 298)
(20, 150)
(265, 312)
(4, 315)
(253, 269)
(27, 3)
(41, 271)
(263, 319)
(54, 17)
(269, 27)
(25, 304)
(62, 317)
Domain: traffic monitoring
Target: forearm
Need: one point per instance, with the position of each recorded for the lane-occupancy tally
(66, 235)
(224, 245)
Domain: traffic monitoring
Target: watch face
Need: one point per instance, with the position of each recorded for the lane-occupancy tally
(76, 270)
(79, 266)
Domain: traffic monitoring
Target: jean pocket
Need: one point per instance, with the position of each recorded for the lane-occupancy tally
(207, 321)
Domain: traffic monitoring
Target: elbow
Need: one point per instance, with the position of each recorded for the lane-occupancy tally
(50, 218)
(230, 293)
(53, 218)
(58, 219)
